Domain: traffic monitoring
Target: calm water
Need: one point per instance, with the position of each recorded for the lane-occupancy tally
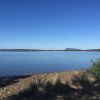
(19, 63)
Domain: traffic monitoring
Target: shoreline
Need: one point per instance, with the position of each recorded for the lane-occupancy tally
(19, 85)
(22, 75)
(23, 82)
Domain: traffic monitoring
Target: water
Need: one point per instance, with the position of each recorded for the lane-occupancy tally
(21, 63)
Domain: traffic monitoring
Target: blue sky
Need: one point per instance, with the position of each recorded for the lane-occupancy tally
(50, 24)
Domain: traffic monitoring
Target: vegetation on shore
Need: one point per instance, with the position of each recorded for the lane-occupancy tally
(95, 69)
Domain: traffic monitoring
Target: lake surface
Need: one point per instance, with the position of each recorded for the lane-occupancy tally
(20, 63)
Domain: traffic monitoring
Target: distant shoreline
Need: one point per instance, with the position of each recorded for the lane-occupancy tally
(34, 50)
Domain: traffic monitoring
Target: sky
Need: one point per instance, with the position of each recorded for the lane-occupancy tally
(49, 24)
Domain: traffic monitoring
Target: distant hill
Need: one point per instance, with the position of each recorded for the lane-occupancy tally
(72, 49)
